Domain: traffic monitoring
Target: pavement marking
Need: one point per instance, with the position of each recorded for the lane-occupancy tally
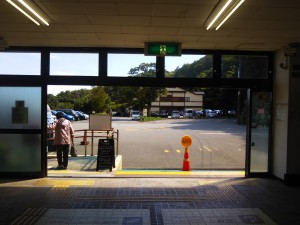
(178, 151)
(166, 150)
(208, 149)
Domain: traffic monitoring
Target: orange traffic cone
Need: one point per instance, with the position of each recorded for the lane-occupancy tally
(186, 142)
(186, 161)
(84, 141)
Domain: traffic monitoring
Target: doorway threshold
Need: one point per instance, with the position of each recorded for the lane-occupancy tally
(85, 167)
(178, 173)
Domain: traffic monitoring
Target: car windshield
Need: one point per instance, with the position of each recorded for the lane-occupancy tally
(135, 113)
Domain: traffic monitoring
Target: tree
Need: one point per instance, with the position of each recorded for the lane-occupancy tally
(214, 98)
(142, 97)
(76, 99)
(52, 101)
(143, 70)
(202, 68)
(98, 100)
(128, 97)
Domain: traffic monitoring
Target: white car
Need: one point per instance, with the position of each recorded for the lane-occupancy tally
(135, 115)
(175, 115)
(50, 117)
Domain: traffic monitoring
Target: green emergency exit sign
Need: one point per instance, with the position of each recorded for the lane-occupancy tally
(163, 49)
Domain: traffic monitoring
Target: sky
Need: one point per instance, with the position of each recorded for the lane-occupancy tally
(74, 64)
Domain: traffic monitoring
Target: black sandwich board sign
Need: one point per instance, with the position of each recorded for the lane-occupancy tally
(106, 154)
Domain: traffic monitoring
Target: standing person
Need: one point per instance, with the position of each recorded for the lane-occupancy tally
(64, 136)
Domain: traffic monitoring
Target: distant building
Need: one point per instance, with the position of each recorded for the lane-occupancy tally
(178, 99)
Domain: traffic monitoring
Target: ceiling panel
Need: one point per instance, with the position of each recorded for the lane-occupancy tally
(256, 25)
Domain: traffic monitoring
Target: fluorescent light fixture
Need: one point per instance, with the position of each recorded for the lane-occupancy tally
(34, 12)
(229, 14)
(22, 11)
(219, 14)
(223, 11)
(27, 8)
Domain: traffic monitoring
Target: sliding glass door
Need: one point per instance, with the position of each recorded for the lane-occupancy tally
(259, 127)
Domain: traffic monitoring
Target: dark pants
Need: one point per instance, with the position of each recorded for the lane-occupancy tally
(62, 153)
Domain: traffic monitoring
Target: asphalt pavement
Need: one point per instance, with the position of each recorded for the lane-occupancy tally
(217, 143)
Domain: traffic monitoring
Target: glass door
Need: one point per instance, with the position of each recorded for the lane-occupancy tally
(258, 137)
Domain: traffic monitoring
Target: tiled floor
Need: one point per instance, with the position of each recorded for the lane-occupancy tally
(95, 216)
(203, 200)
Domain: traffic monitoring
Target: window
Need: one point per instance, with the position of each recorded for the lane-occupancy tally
(17, 63)
(131, 65)
(20, 108)
(74, 64)
(20, 153)
(189, 66)
(244, 67)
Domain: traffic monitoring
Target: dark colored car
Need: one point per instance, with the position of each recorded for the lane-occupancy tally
(70, 112)
(81, 115)
(67, 116)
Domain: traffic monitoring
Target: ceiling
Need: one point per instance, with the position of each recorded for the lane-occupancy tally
(266, 25)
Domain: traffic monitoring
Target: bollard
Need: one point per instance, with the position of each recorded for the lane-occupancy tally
(186, 141)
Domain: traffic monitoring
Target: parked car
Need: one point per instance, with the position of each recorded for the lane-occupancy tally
(50, 118)
(67, 116)
(212, 113)
(82, 115)
(70, 112)
(163, 113)
(198, 113)
(188, 113)
(154, 114)
(232, 112)
(50, 134)
(135, 115)
(175, 114)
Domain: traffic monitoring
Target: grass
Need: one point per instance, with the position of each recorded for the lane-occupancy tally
(149, 118)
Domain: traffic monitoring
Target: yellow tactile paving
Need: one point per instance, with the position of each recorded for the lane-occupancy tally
(61, 183)
(181, 173)
(146, 172)
(51, 172)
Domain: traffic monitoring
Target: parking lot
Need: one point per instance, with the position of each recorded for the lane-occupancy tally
(218, 143)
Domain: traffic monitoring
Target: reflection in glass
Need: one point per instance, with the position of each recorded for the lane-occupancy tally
(74, 64)
(20, 152)
(189, 66)
(12, 63)
(245, 67)
(131, 65)
(261, 119)
(20, 108)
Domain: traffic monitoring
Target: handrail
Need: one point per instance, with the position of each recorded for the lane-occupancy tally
(112, 133)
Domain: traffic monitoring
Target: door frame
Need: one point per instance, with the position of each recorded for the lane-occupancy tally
(160, 80)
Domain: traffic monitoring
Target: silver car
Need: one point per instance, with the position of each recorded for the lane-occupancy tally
(135, 115)
(175, 115)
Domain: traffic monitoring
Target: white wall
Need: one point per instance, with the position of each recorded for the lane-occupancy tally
(280, 116)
